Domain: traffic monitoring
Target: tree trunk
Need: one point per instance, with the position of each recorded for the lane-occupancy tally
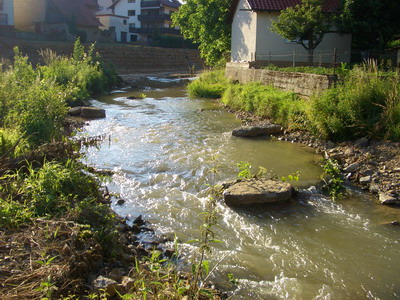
(310, 56)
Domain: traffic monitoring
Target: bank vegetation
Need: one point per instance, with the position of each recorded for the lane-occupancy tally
(364, 103)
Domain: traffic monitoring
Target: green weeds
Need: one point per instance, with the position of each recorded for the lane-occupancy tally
(332, 179)
(211, 84)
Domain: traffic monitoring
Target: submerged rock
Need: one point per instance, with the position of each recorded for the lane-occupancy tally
(253, 191)
(254, 131)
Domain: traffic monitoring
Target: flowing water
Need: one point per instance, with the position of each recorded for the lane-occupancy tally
(166, 149)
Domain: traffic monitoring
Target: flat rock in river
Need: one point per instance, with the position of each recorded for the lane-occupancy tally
(92, 112)
(254, 191)
(259, 130)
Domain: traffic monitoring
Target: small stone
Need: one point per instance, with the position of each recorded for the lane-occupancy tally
(128, 283)
(330, 145)
(105, 284)
(169, 253)
(348, 152)
(387, 199)
(396, 170)
(115, 274)
(365, 180)
(361, 143)
(374, 188)
(351, 168)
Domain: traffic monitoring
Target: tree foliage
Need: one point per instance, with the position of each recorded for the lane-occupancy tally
(373, 23)
(304, 24)
(205, 23)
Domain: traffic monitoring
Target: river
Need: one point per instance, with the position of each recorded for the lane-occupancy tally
(165, 149)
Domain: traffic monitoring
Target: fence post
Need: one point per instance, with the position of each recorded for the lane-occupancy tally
(294, 58)
(320, 59)
(334, 61)
(269, 57)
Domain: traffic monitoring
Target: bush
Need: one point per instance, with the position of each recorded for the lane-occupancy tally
(211, 84)
(364, 104)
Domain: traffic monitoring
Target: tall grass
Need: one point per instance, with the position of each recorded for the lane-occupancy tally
(211, 84)
(364, 104)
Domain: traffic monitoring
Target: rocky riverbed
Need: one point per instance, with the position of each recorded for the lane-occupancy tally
(372, 165)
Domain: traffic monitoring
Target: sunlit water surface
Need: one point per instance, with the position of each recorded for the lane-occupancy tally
(166, 149)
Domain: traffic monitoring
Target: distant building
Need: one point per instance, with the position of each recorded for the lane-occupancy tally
(253, 40)
(63, 19)
(136, 20)
(6, 15)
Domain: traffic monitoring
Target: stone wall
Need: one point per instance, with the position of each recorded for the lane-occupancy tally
(301, 83)
(126, 58)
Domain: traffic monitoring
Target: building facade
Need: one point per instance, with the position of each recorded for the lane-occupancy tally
(253, 40)
(6, 15)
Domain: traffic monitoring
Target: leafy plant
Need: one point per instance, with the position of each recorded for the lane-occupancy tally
(332, 179)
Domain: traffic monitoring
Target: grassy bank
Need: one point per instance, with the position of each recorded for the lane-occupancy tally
(57, 230)
(364, 103)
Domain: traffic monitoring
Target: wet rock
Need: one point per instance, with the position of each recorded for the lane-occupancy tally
(169, 253)
(75, 111)
(365, 179)
(254, 131)
(361, 143)
(92, 112)
(120, 202)
(138, 220)
(105, 284)
(387, 199)
(253, 191)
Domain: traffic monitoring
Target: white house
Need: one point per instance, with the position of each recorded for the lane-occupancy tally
(121, 14)
(6, 15)
(253, 40)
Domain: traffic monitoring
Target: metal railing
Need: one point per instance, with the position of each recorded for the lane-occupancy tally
(150, 4)
(154, 18)
(154, 30)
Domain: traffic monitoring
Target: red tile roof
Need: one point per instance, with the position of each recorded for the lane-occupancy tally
(277, 5)
(84, 11)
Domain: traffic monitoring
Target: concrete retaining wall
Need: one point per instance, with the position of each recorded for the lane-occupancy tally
(301, 83)
(126, 58)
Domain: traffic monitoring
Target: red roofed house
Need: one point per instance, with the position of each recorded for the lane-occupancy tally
(62, 18)
(253, 40)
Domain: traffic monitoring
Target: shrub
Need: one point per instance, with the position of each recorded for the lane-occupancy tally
(364, 104)
(211, 84)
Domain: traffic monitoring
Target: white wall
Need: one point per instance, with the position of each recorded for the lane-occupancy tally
(244, 27)
(270, 42)
(121, 9)
(27, 12)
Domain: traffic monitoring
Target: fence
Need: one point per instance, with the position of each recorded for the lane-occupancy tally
(331, 58)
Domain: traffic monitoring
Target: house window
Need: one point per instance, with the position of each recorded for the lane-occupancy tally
(134, 37)
(124, 22)
(3, 19)
(131, 1)
(132, 25)
(131, 12)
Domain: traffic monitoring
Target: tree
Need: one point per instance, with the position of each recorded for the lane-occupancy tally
(373, 23)
(205, 23)
(304, 24)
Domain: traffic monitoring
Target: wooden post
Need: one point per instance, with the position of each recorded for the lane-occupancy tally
(334, 60)
(294, 58)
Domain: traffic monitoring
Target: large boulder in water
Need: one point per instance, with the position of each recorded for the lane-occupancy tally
(92, 112)
(259, 130)
(255, 191)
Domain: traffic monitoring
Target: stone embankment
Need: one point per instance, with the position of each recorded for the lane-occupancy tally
(126, 58)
